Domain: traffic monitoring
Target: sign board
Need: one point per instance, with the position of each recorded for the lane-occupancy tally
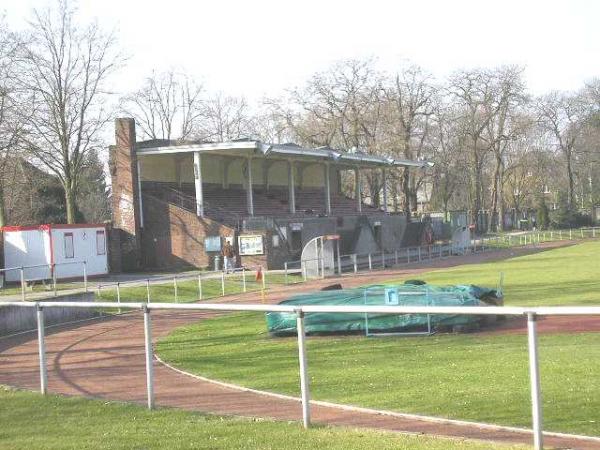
(251, 245)
(296, 226)
(212, 244)
(391, 296)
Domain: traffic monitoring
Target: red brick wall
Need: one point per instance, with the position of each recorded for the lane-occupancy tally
(125, 195)
(174, 237)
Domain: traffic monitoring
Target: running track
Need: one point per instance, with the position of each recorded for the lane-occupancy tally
(105, 359)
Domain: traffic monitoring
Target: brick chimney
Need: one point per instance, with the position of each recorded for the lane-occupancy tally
(125, 193)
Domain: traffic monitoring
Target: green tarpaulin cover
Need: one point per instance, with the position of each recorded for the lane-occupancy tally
(279, 323)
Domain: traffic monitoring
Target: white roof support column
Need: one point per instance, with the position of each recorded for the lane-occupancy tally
(225, 162)
(249, 188)
(139, 182)
(327, 189)
(198, 184)
(384, 187)
(291, 186)
(358, 189)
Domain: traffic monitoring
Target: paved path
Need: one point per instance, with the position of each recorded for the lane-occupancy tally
(105, 359)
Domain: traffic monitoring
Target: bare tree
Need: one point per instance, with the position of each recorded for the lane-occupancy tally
(507, 121)
(168, 106)
(339, 108)
(224, 118)
(65, 69)
(475, 94)
(563, 117)
(10, 126)
(448, 173)
(409, 99)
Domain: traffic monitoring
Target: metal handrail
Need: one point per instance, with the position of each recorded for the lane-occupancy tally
(531, 313)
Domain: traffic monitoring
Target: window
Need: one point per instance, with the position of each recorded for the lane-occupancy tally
(100, 242)
(69, 250)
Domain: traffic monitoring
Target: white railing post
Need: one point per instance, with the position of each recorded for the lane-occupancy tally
(304, 272)
(285, 272)
(119, 294)
(148, 291)
(370, 262)
(42, 350)
(148, 352)
(223, 284)
(407, 255)
(264, 278)
(534, 375)
(570, 233)
(244, 279)
(304, 380)
(419, 253)
(22, 283)
(85, 282)
(175, 290)
(383, 259)
(395, 257)
(355, 260)
(53, 271)
(199, 286)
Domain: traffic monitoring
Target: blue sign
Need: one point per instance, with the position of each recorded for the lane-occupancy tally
(212, 244)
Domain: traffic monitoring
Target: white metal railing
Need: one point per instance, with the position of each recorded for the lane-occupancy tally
(355, 262)
(300, 311)
(51, 274)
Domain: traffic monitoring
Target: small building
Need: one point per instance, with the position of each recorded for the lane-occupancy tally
(63, 248)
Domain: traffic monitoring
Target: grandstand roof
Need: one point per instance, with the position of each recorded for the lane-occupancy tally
(260, 149)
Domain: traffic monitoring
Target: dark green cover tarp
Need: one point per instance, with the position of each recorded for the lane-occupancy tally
(279, 323)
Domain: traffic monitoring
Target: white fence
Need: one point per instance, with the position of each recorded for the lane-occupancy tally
(353, 263)
(531, 313)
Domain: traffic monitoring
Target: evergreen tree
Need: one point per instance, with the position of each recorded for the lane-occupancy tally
(563, 216)
(543, 214)
(92, 198)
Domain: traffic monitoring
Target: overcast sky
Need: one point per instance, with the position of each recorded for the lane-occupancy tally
(255, 47)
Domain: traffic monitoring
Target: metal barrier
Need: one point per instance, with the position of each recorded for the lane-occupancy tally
(51, 275)
(409, 255)
(530, 313)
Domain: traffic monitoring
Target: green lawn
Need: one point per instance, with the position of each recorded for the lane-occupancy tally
(473, 377)
(53, 422)
(187, 291)
(564, 276)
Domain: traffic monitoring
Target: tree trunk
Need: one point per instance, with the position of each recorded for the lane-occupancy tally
(501, 205)
(2, 213)
(406, 192)
(475, 190)
(70, 203)
(571, 186)
(496, 187)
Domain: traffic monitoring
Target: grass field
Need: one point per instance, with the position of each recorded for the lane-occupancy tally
(187, 291)
(474, 377)
(564, 276)
(32, 421)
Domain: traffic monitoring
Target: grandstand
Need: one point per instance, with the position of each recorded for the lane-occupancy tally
(175, 202)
